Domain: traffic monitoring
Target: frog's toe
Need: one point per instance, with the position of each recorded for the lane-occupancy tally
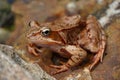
(61, 69)
(32, 51)
(96, 60)
(54, 66)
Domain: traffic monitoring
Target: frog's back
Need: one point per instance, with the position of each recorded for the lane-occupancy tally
(67, 27)
(64, 23)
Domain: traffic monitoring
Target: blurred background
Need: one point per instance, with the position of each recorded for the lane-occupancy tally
(15, 14)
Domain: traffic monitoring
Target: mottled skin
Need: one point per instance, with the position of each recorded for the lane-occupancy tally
(70, 37)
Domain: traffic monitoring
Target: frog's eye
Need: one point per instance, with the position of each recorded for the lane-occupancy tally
(46, 32)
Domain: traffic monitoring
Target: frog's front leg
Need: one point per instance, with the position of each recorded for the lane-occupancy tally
(33, 49)
(78, 55)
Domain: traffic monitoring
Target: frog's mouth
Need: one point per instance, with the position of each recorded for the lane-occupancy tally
(47, 45)
(43, 42)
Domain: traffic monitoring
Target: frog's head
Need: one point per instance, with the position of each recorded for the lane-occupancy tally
(43, 35)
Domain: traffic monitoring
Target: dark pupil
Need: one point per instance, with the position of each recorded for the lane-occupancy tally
(46, 32)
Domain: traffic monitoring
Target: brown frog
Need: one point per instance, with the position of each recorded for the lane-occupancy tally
(71, 37)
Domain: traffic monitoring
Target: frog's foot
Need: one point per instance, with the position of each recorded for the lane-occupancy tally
(63, 63)
(61, 68)
(32, 51)
(97, 58)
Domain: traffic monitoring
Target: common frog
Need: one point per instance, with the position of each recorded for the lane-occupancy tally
(71, 37)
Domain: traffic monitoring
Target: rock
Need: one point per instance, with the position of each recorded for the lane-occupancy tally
(9, 70)
(12, 67)
(83, 75)
(112, 10)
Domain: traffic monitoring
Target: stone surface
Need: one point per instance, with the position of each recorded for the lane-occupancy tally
(83, 75)
(9, 70)
(13, 67)
(112, 10)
